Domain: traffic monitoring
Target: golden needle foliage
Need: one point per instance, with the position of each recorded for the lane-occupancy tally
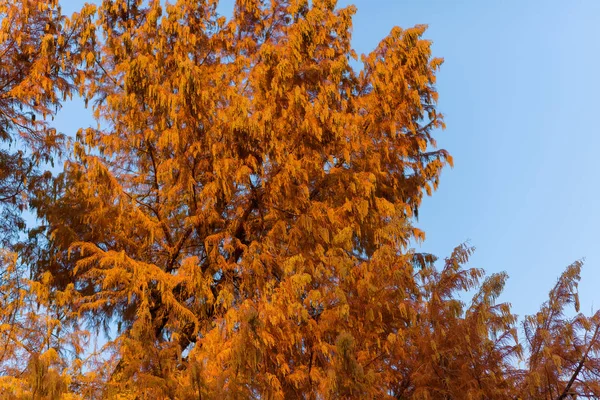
(239, 221)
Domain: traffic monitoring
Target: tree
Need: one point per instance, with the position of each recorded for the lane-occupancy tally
(246, 179)
(564, 355)
(36, 74)
(239, 222)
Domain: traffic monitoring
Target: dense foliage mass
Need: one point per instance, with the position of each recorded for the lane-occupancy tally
(238, 223)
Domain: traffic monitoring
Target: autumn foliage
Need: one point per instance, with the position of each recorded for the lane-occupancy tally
(238, 224)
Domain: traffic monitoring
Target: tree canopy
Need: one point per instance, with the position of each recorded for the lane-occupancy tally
(239, 222)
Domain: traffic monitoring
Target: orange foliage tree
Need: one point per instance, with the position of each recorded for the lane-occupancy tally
(37, 50)
(239, 223)
(34, 77)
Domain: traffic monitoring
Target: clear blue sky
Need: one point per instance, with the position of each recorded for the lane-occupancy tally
(519, 91)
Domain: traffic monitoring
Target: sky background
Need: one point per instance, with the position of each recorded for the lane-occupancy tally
(519, 91)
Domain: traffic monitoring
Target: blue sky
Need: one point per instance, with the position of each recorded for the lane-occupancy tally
(519, 91)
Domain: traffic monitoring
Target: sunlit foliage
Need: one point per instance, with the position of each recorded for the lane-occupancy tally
(238, 224)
